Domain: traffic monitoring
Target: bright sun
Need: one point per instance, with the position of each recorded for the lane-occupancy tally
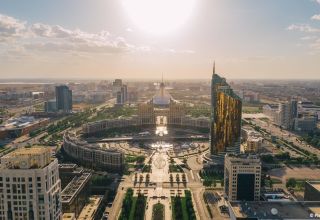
(159, 16)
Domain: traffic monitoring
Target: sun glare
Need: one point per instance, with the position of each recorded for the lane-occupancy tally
(159, 16)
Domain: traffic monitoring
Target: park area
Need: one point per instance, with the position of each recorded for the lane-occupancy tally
(182, 207)
(133, 208)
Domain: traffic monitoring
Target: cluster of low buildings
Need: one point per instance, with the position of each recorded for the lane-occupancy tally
(248, 96)
(20, 98)
(252, 141)
(16, 127)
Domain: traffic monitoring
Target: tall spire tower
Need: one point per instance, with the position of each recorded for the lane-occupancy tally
(214, 68)
(225, 130)
(162, 87)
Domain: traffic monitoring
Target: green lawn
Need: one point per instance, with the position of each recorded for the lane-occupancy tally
(183, 208)
(251, 109)
(133, 207)
(175, 169)
(158, 212)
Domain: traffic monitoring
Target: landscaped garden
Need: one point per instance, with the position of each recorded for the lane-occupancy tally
(182, 207)
(211, 178)
(133, 208)
(158, 212)
(175, 169)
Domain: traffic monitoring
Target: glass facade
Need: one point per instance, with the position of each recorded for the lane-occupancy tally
(245, 187)
(226, 108)
(63, 98)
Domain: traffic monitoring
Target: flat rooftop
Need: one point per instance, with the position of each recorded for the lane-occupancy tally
(315, 184)
(68, 216)
(68, 165)
(74, 187)
(27, 152)
(90, 209)
(275, 210)
(243, 159)
(20, 122)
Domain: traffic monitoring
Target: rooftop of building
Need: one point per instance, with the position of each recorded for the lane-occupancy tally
(74, 187)
(68, 216)
(71, 137)
(162, 97)
(90, 209)
(314, 184)
(27, 158)
(27, 152)
(67, 166)
(254, 139)
(19, 122)
(242, 157)
(275, 210)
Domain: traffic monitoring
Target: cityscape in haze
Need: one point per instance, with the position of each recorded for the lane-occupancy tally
(159, 110)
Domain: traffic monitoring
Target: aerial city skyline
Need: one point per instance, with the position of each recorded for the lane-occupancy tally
(159, 110)
(117, 39)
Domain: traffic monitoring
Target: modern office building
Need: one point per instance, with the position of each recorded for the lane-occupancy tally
(116, 86)
(306, 122)
(120, 91)
(63, 98)
(50, 106)
(242, 177)
(284, 114)
(226, 110)
(288, 113)
(30, 185)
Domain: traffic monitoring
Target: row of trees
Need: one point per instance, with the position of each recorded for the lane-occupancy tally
(177, 206)
(199, 111)
(127, 212)
(141, 178)
(211, 177)
(126, 205)
(178, 180)
(293, 183)
(313, 138)
(140, 207)
(114, 112)
(189, 205)
(183, 207)
(72, 121)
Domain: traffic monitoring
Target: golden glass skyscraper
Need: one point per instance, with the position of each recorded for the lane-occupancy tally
(226, 108)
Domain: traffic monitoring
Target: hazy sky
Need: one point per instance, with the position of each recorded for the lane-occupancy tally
(145, 38)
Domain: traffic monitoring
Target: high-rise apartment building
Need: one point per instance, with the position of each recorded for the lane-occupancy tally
(116, 86)
(63, 98)
(120, 91)
(242, 177)
(226, 109)
(288, 112)
(29, 185)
